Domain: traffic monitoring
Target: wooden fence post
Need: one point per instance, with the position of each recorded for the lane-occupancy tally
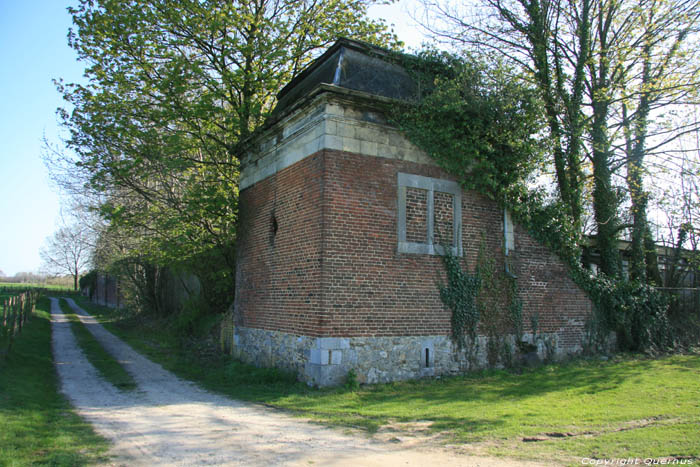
(13, 313)
(30, 307)
(20, 313)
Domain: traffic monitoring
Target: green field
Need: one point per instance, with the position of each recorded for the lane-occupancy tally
(37, 425)
(630, 406)
(23, 287)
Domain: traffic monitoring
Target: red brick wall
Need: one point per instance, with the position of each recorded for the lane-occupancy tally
(279, 273)
(372, 290)
(334, 269)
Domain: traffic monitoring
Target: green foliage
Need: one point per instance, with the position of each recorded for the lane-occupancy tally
(240, 373)
(195, 319)
(175, 89)
(473, 119)
(215, 269)
(88, 280)
(485, 301)
(500, 308)
(547, 220)
(351, 382)
(635, 311)
(459, 295)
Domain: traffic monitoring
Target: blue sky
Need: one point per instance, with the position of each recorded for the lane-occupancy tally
(33, 52)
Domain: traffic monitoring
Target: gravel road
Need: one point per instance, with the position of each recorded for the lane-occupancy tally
(169, 421)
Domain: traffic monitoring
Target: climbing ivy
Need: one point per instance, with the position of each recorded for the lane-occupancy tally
(459, 295)
(500, 307)
(482, 124)
(473, 118)
(487, 299)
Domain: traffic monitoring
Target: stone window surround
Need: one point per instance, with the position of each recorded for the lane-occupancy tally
(431, 185)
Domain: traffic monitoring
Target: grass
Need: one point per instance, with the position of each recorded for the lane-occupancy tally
(22, 287)
(37, 426)
(106, 365)
(630, 406)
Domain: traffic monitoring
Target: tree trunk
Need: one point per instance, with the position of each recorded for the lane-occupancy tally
(604, 199)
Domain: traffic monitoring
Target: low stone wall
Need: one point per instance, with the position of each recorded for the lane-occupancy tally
(326, 361)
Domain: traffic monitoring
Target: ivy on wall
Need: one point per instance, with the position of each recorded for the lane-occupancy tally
(472, 118)
(459, 295)
(486, 301)
(484, 125)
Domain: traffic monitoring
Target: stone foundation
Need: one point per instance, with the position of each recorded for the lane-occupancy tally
(326, 361)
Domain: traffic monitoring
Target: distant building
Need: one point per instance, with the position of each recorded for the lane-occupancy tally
(675, 265)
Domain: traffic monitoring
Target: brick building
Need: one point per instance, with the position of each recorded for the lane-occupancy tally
(341, 225)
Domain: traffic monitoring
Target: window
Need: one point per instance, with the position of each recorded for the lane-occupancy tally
(508, 232)
(508, 241)
(430, 213)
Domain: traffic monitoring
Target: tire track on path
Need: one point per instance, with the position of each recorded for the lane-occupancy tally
(169, 421)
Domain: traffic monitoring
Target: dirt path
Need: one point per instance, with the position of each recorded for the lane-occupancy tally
(168, 421)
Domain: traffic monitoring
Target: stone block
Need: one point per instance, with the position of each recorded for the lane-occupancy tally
(336, 357)
(368, 148)
(332, 142)
(351, 145)
(331, 127)
(332, 343)
(353, 113)
(335, 109)
(315, 145)
(315, 356)
(346, 130)
(366, 133)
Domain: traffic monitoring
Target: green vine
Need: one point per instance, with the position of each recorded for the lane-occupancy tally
(500, 308)
(459, 295)
(480, 299)
(481, 124)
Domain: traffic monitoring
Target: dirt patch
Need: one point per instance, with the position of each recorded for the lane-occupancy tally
(168, 421)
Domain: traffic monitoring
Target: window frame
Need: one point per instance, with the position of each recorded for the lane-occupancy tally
(431, 185)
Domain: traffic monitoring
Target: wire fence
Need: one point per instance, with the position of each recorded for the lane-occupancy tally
(16, 312)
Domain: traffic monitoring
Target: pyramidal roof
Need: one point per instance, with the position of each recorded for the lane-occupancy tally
(352, 65)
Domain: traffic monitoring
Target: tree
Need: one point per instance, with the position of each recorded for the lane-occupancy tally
(550, 43)
(660, 72)
(593, 61)
(67, 251)
(175, 90)
(679, 201)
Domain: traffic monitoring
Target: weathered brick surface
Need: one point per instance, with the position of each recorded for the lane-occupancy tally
(332, 266)
(444, 222)
(416, 218)
(278, 279)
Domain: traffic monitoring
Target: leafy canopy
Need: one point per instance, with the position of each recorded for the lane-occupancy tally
(475, 120)
(174, 88)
